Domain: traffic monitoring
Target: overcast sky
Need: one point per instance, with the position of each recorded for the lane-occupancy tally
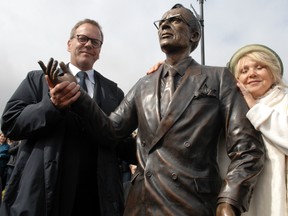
(33, 30)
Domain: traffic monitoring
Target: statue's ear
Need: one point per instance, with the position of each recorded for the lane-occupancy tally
(195, 37)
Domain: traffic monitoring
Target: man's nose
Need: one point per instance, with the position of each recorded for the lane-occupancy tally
(89, 42)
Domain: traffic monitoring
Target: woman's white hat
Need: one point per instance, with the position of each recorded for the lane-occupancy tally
(251, 48)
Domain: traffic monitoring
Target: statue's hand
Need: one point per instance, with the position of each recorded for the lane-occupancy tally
(225, 209)
(55, 74)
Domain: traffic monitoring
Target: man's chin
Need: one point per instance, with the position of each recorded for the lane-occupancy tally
(169, 48)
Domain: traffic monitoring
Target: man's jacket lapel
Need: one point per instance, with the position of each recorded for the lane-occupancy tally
(184, 94)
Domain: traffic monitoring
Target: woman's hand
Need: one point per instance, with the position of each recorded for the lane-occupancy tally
(250, 100)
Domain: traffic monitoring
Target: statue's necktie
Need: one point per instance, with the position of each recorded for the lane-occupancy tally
(82, 76)
(168, 91)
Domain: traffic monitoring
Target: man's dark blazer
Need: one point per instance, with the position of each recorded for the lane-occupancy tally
(54, 141)
(177, 170)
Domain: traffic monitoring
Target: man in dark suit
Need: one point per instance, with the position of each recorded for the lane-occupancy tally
(177, 171)
(61, 169)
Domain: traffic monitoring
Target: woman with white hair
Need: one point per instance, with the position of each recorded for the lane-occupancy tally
(259, 72)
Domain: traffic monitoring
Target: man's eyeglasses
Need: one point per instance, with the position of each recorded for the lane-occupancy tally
(83, 39)
(175, 19)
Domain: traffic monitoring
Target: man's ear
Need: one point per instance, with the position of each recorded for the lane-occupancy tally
(69, 45)
(195, 37)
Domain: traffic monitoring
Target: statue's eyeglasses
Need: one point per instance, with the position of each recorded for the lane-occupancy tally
(175, 19)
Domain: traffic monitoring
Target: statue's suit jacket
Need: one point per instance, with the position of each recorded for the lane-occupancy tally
(177, 170)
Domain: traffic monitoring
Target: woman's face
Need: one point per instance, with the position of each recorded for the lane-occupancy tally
(256, 77)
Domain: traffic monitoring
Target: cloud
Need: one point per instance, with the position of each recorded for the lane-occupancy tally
(33, 30)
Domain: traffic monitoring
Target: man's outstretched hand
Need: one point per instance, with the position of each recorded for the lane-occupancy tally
(55, 74)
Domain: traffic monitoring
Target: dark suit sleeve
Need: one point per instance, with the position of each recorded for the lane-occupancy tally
(118, 125)
(29, 110)
(127, 150)
(243, 143)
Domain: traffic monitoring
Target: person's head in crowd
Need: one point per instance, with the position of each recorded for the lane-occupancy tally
(3, 138)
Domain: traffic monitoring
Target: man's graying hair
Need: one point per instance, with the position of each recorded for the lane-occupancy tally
(193, 23)
(90, 21)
